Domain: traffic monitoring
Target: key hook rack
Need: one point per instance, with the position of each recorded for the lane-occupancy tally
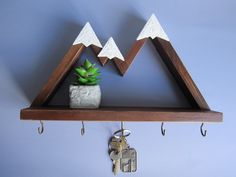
(121, 131)
(153, 31)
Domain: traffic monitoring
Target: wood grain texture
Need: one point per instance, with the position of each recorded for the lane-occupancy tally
(200, 111)
(124, 65)
(121, 114)
(96, 50)
(179, 72)
(58, 75)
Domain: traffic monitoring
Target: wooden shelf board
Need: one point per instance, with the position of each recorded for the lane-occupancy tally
(121, 114)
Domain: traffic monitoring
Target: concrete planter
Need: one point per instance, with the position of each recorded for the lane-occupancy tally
(83, 96)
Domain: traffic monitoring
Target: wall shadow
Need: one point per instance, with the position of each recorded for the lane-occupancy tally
(32, 72)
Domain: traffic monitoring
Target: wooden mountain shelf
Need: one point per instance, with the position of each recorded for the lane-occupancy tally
(121, 114)
(199, 112)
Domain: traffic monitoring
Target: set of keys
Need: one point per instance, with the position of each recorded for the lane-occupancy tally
(123, 157)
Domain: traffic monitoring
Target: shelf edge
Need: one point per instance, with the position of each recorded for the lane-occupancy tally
(120, 115)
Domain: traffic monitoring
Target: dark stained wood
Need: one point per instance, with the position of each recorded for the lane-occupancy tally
(200, 111)
(103, 60)
(124, 65)
(96, 50)
(58, 75)
(179, 72)
(121, 114)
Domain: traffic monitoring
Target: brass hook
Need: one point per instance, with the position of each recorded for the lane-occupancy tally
(82, 129)
(203, 132)
(163, 131)
(41, 128)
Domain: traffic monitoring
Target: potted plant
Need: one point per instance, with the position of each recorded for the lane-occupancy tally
(86, 92)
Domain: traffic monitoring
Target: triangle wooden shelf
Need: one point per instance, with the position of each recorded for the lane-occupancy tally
(199, 112)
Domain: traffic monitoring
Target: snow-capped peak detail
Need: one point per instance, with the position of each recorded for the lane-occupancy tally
(152, 29)
(110, 50)
(87, 37)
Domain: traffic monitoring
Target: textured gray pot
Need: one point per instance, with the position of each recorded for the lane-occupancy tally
(83, 96)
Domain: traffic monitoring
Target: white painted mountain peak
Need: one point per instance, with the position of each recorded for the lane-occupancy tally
(152, 29)
(110, 50)
(87, 37)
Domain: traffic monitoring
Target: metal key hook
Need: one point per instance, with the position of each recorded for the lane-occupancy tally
(203, 132)
(122, 128)
(82, 131)
(163, 131)
(41, 128)
(122, 132)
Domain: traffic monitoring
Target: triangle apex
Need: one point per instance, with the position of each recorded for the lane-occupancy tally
(110, 50)
(87, 37)
(152, 29)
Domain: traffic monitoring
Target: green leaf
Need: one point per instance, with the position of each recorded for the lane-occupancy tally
(93, 65)
(94, 75)
(87, 74)
(92, 83)
(81, 71)
(82, 80)
(92, 79)
(92, 71)
(87, 64)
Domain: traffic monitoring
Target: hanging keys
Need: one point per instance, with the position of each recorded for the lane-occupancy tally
(114, 143)
(123, 157)
(128, 162)
(117, 145)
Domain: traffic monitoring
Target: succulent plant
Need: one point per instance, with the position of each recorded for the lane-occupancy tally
(87, 74)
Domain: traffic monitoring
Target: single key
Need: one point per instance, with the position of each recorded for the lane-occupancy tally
(115, 157)
(116, 146)
(128, 161)
(116, 166)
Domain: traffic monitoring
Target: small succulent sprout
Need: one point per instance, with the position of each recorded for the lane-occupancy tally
(87, 74)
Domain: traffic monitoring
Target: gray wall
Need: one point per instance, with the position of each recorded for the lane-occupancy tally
(34, 36)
